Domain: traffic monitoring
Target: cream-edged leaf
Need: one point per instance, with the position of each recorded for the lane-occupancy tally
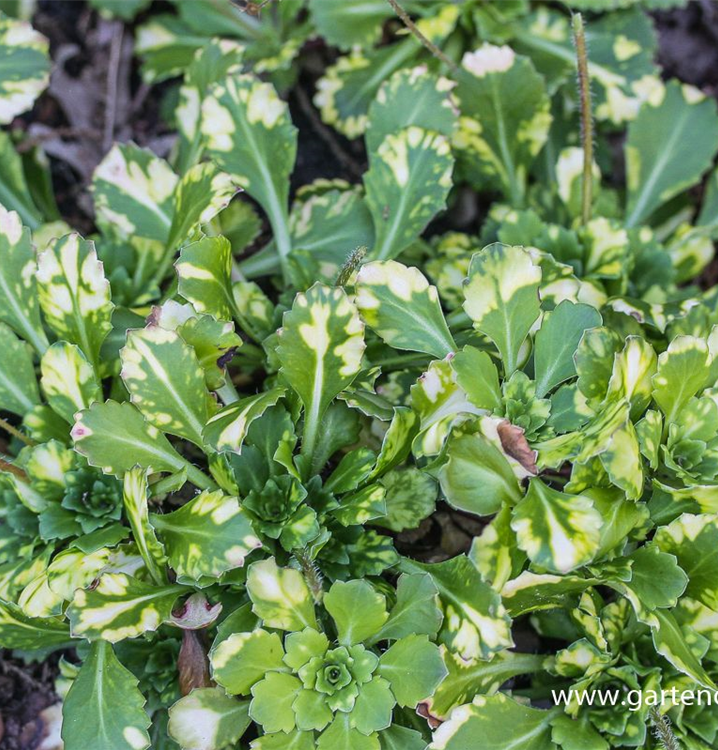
(74, 294)
(400, 305)
(166, 382)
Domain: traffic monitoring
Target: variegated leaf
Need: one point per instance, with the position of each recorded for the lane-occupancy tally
(407, 183)
(558, 532)
(207, 536)
(504, 119)
(166, 382)
(208, 719)
(226, 430)
(116, 437)
(19, 306)
(75, 295)
(134, 193)
(683, 370)
(18, 384)
(212, 62)
(135, 496)
(204, 269)
(502, 298)
(18, 630)
(500, 721)
(321, 344)
(120, 607)
(400, 305)
(670, 144)
(693, 539)
(475, 624)
(201, 194)
(412, 96)
(25, 67)
(440, 403)
(250, 136)
(104, 706)
(280, 596)
(68, 380)
(328, 220)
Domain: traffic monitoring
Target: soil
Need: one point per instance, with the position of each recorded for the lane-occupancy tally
(75, 126)
(26, 690)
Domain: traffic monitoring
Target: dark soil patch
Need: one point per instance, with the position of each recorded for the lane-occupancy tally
(25, 691)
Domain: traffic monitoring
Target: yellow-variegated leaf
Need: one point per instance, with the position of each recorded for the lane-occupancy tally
(166, 382)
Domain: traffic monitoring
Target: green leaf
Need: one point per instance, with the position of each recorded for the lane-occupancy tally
(74, 294)
(475, 622)
(656, 579)
(495, 552)
(208, 719)
(472, 462)
(407, 184)
(116, 437)
(243, 659)
(68, 380)
(293, 741)
(166, 382)
(321, 344)
(18, 384)
(476, 373)
(104, 706)
(280, 597)
(401, 738)
(683, 370)
(273, 697)
(412, 96)
(502, 298)
(18, 630)
(345, 26)
(670, 145)
(505, 118)
(557, 341)
(559, 532)
(357, 609)
(414, 668)
(227, 429)
(19, 306)
(501, 722)
(341, 734)
(249, 135)
(693, 539)
(15, 192)
(400, 305)
(416, 611)
(410, 497)
(25, 68)
(120, 607)
(135, 497)
(207, 536)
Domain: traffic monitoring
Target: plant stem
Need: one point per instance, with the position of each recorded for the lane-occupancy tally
(584, 92)
(198, 477)
(662, 730)
(228, 393)
(414, 29)
(10, 467)
(21, 436)
(312, 575)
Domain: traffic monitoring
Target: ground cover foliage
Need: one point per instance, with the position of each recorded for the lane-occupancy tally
(231, 409)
